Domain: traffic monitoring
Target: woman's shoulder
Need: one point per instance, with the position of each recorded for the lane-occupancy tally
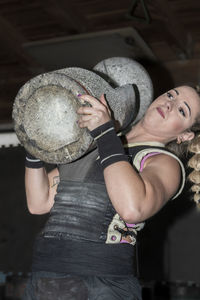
(162, 161)
(143, 152)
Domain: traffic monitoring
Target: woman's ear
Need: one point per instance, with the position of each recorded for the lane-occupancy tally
(186, 136)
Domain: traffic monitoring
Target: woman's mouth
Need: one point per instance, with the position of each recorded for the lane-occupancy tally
(160, 111)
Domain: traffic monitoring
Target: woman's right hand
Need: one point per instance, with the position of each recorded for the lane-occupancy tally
(95, 115)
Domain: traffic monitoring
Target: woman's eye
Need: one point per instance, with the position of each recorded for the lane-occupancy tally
(182, 111)
(170, 96)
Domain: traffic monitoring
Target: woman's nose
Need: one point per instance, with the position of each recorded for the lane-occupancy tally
(169, 105)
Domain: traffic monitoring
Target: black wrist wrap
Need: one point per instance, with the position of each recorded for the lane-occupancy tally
(33, 162)
(109, 144)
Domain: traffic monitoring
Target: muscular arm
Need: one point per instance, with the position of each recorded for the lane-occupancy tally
(40, 189)
(135, 196)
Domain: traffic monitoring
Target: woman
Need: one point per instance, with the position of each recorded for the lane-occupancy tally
(86, 250)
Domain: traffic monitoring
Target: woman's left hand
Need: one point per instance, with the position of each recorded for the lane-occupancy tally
(95, 115)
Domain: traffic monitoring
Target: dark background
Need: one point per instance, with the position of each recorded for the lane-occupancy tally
(39, 36)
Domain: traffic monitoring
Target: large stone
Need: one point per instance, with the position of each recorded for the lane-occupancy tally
(45, 117)
(122, 70)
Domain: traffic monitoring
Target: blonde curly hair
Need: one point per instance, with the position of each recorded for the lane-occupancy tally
(193, 147)
(194, 161)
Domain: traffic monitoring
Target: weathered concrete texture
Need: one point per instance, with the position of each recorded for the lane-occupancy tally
(45, 122)
(45, 112)
(122, 100)
(122, 70)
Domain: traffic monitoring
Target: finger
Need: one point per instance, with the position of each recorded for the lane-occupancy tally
(93, 101)
(85, 110)
(86, 118)
(84, 123)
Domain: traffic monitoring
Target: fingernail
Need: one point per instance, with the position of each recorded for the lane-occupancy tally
(79, 95)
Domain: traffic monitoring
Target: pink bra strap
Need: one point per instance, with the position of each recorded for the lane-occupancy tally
(145, 157)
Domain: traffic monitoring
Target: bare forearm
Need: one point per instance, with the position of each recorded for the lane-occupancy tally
(37, 190)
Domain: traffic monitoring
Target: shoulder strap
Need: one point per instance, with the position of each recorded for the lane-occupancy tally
(141, 154)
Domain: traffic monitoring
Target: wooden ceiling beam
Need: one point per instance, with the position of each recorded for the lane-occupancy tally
(184, 72)
(180, 35)
(66, 15)
(13, 41)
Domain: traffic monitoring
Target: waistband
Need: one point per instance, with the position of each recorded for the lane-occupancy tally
(83, 258)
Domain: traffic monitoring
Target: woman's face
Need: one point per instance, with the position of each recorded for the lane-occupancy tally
(173, 112)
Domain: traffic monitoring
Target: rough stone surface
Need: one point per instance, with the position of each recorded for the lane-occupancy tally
(122, 100)
(44, 110)
(120, 71)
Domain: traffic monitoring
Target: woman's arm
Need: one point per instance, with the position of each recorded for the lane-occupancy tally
(138, 196)
(135, 196)
(40, 189)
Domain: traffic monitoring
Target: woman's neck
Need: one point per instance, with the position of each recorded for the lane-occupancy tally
(139, 134)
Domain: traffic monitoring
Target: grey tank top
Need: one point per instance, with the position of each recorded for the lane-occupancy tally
(82, 209)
